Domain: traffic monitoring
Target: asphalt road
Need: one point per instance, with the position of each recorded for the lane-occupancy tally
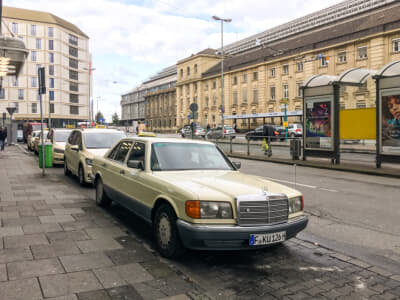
(353, 213)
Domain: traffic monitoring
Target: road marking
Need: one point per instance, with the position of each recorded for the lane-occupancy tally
(301, 184)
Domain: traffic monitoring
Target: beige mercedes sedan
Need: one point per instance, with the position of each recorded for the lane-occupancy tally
(195, 197)
(83, 145)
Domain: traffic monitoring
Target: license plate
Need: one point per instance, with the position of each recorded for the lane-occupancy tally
(268, 238)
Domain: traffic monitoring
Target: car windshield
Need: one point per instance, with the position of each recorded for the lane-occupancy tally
(61, 136)
(102, 139)
(187, 156)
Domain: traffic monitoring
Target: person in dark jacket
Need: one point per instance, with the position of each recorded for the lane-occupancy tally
(3, 136)
(268, 133)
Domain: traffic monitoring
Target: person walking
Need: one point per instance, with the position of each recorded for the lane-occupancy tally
(3, 136)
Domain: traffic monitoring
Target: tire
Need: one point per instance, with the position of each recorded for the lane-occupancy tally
(292, 135)
(81, 176)
(66, 171)
(101, 198)
(166, 235)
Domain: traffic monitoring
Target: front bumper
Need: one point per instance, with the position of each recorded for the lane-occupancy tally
(223, 237)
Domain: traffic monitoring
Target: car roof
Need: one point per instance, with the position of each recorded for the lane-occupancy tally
(98, 130)
(167, 140)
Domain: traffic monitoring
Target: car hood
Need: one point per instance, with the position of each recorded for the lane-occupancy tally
(97, 151)
(221, 185)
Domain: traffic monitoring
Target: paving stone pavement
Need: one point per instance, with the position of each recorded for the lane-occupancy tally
(55, 243)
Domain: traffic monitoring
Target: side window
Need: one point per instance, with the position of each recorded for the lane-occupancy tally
(71, 138)
(123, 150)
(138, 152)
(78, 139)
(112, 153)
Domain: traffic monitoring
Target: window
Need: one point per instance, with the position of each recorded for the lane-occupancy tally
(181, 73)
(342, 57)
(362, 52)
(214, 84)
(73, 51)
(51, 83)
(51, 69)
(285, 69)
(51, 57)
(73, 98)
(285, 89)
(33, 29)
(52, 108)
(2, 93)
(272, 72)
(123, 150)
(272, 93)
(361, 104)
(255, 75)
(299, 66)
(34, 81)
(14, 28)
(37, 67)
(255, 96)
(51, 32)
(38, 43)
(73, 75)
(299, 89)
(396, 45)
(342, 105)
(33, 56)
(244, 77)
(73, 87)
(207, 100)
(214, 100)
(51, 95)
(38, 96)
(16, 105)
(235, 80)
(20, 94)
(138, 153)
(188, 71)
(324, 61)
(51, 44)
(34, 108)
(73, 39)
(235, 97)
(74, 110)
(245, 96)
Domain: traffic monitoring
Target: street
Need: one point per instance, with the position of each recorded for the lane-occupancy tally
(350, 249)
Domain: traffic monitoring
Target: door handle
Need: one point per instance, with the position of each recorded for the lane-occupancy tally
(122, 172)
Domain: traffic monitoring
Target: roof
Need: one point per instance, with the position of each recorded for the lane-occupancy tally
(41, 17)
(372, 22)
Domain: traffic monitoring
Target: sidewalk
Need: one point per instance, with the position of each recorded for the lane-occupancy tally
(55, 243)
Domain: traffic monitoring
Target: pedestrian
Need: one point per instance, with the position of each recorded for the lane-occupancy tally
(137, 130)
(268, 133)
(3, 136)
(234, 126)
(208, 127)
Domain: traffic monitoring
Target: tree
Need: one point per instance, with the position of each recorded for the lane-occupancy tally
(115, 119)
(99, 116)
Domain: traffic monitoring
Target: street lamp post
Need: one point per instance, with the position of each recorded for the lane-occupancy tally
(222, 69)
(90, 69)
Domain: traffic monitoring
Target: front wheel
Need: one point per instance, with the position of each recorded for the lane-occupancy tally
(66, 171)
(81, 175)
(166, 234)
(101, 197)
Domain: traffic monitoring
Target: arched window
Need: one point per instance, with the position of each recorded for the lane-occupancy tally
(195, 68)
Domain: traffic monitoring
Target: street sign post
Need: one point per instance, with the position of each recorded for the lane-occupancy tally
(42, 90)
(286, 127)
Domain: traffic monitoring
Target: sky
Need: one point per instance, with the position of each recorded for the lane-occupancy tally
(131, 40)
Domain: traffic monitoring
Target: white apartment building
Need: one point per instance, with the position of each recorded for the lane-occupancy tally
(60, 47)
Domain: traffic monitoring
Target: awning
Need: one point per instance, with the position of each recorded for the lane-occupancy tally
(392, 69)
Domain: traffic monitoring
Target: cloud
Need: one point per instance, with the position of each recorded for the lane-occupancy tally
(131, 40)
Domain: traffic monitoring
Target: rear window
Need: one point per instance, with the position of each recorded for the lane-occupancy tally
(102, 139)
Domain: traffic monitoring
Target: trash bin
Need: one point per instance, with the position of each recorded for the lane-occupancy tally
(295, 148)
(48, 155)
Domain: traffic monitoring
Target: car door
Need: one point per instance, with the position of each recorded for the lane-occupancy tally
(74, 155)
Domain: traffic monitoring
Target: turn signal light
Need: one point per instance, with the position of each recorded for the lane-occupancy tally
(302, 203)
(192, 208)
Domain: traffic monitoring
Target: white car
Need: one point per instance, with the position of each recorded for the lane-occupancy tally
(295, 130)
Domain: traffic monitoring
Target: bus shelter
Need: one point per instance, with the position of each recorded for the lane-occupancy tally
(321, 95)
(388, 114)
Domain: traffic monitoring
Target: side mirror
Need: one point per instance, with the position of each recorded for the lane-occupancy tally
(237, 164)
(75, 148)
(135, 164)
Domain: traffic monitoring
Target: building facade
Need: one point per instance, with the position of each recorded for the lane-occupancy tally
(262, 77)
(133, 106)
(63, 50)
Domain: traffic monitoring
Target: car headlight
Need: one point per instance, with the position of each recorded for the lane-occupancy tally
(88, 161)
(296, 204)
(56, 150)
(209, 210)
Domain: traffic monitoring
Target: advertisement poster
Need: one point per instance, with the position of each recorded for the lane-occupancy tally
(390, 124)
(318, 127)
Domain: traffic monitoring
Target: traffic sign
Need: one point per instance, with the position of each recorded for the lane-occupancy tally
(188, 116)
(285, 100)
(11, 110)
(285, 124)
(101, 120)
(194, 107)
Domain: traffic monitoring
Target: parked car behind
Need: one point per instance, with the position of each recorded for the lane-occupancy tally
(216, 133)
(259, 133)
(198, 131)
(295, 130)
(58, 137)
(195, 197)
(31, 140)
(83, 145)
(38, 140)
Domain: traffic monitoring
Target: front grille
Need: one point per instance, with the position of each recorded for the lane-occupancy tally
(262, 212)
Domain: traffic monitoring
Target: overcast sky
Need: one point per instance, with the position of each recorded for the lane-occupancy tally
(130, 40)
